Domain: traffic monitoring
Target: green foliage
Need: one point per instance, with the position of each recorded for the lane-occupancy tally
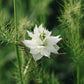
(59, 67)
(7, 57)
(40, 10)
(71, 28)
(71, 24)
(7, 33)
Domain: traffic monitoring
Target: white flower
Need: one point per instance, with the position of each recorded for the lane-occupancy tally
(42, 43)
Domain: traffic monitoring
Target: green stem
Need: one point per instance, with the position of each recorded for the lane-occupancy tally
(22, 53)
(42, 66)
(78, 74)
(17, 49)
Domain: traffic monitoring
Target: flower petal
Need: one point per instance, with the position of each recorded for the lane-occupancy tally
(40, 27)
(45, 52)
(30, 34)
(56, 47)
(53, 40)
(37, 56)
(35, 29)
(53, 49)
(28, 43)
(34, 51)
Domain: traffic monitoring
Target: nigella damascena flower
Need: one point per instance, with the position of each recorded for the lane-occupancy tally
(42, 43)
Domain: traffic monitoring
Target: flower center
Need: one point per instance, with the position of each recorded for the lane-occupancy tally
(44, 43)
(42, 36)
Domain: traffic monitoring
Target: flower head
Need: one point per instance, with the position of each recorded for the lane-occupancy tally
(42, 43)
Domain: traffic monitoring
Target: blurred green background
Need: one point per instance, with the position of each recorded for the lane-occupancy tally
(38, 12)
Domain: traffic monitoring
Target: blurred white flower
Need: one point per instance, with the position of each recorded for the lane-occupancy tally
(42, 43)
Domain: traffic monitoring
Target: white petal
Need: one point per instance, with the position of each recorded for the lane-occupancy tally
(58, 39)
(56, 47)
(45, 52)
(49, 33)
(36, 30)
(28, 43)
(53, 49)
(37, 56)
(39, 47)
(41, 29)
(52, 40)
(34, 51)
(40, 26)
(30, 34)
